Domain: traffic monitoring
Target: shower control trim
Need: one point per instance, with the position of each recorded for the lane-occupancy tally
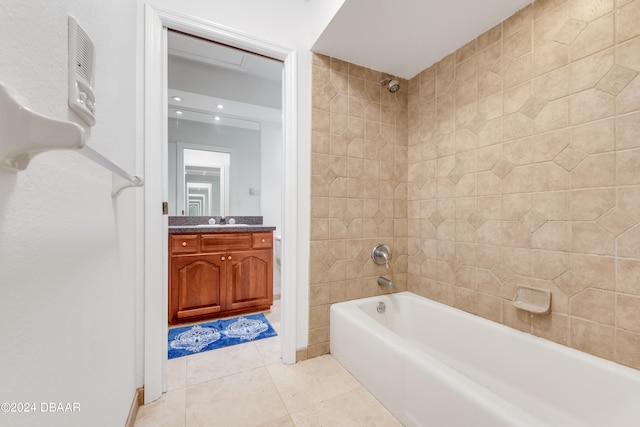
(381, 254)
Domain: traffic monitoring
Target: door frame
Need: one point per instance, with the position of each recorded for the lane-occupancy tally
(157, 21)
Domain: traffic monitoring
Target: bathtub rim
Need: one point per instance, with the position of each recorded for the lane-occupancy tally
(364, 318)
(587, 357)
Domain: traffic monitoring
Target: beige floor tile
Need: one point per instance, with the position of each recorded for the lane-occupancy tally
(276, 307)
(168, 411)
(222, 362)
(245, 399)
(270, 350)
(356, 408)
(273, 315)
(177, 373)
(280, 422)
(248, 386)
(311, 382)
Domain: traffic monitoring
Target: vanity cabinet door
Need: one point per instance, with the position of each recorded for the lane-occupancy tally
(197, 286)
(250, 279)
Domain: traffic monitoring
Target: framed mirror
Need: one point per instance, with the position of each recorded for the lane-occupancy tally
(226, 100)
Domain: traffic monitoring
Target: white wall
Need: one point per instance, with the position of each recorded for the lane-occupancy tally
(271, 195)
(245, 160)
(322, 12)
(67, 271)
(284, 22)
(172, 171)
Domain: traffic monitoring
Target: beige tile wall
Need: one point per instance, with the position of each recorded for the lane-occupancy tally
(524, 169)
(517, 163)
(358, 188)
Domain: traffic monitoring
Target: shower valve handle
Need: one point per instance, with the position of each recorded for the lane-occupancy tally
(381, 254)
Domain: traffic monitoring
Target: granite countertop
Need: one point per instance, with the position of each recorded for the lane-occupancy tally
(200, 224)
(173, 229)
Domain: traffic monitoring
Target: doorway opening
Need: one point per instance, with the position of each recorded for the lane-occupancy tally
(157, 24)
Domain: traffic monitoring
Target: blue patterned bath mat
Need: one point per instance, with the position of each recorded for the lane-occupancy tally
(221, 333)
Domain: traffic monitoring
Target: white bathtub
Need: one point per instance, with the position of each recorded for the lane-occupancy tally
(434, 365)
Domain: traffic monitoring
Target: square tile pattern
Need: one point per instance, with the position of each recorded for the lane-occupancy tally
(247, 385)
(512, 161)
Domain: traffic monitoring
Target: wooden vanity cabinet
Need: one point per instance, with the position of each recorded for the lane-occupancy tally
(219, 274)
(249, 279)
(196, 286)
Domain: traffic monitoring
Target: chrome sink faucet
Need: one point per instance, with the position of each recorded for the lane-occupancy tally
(223, 220)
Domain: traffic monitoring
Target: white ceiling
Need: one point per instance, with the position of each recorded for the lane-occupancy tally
(396, 37)
(218, 55)
(217, 110)
(404, 37)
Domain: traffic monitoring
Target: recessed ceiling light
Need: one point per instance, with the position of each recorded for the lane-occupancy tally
(176, 98)
(216, 118)
(178, 112)
(220, 106)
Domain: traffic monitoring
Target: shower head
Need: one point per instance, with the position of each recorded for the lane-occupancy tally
(393, 85)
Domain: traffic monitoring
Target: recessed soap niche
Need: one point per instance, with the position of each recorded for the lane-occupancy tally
(536, 301)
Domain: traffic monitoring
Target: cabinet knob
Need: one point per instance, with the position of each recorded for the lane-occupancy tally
(229, 257)
(184, 244)
(263, 240)
(222, 258)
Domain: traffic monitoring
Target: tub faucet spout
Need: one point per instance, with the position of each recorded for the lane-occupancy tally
(383, 281)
